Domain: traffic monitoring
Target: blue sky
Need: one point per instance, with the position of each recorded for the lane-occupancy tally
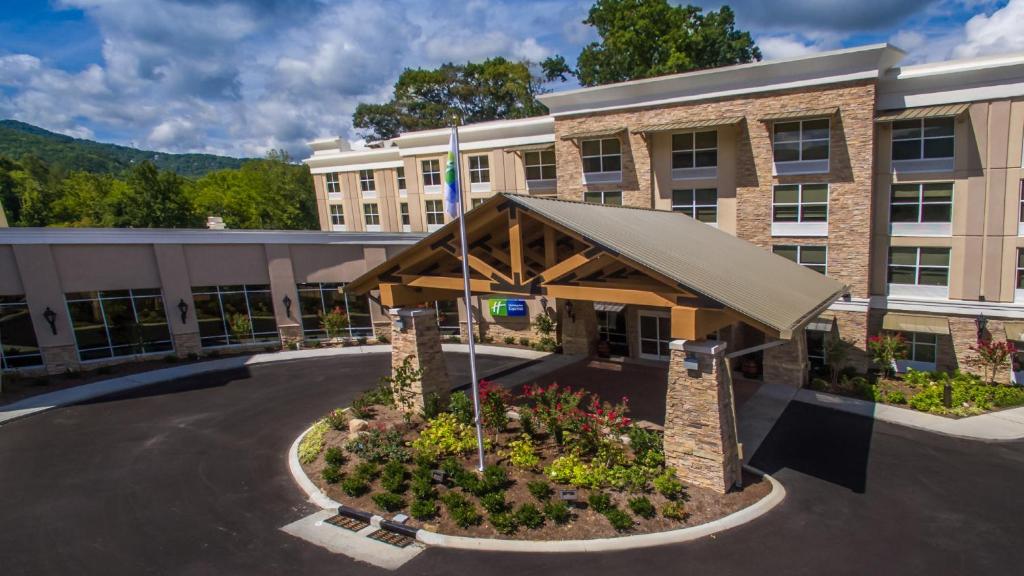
(240, 77)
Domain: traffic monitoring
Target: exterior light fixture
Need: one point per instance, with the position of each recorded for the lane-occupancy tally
(544, 302)
(981, 322)
(287, 305)
(569, 311)
(183, 308)
(51, 318)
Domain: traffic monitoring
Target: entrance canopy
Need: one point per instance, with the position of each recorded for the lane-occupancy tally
(527, 246)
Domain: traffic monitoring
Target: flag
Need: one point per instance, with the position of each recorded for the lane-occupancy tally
(451, 177)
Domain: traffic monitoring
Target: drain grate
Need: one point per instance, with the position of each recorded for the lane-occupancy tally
(399, 540)
(347, 523)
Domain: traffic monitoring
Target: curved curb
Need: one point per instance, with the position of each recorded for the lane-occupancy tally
(738, 518)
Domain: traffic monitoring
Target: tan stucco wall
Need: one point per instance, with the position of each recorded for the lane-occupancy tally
(92, 267)
(10, 279)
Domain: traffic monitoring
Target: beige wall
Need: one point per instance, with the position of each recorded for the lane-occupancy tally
(91, 267)
(10, 280)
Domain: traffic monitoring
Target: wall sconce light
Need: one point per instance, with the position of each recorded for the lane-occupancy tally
(981, 322)
(569, 311)
(544, 303)
(287, 305)
(51, 318)
(183, 308)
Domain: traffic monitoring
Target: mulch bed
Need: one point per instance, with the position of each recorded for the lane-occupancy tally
(702, 505)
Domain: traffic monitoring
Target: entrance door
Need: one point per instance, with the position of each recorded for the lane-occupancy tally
(611, 327)
(655, 334)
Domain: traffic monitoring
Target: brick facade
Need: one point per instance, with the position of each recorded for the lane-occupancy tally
(420, 340)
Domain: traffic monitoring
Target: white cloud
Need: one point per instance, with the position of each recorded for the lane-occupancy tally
(999, 32)
(774, 47)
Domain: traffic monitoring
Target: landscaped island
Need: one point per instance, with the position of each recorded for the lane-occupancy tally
(560, 464)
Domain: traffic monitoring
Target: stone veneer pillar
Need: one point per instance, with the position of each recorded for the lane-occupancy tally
(414, 334)
(787, 363)
(700, 418)
(579, 330)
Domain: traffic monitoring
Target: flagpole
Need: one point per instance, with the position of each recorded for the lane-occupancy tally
(467, 295)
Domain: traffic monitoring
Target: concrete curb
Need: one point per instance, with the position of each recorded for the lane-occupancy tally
(92, 390)
(738, 518)
(998, 426)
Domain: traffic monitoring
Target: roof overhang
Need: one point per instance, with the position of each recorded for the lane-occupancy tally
(912, 323)
(800, 114)
(589, 133)
(941, 111)
(684, 125)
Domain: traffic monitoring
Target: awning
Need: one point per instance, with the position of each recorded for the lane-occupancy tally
(687, 125)
(944, 111)
(1014, 330)
(801, 114)
(593, 133)
(608, 307)
(911, 323)
(823, 323)
(531, 147)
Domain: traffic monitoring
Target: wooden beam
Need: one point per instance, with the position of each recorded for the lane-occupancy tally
(515, 240)
(395, 295)
(564, 267)
(696, 323)
(550, 258)
(619, 296)
(446, 283)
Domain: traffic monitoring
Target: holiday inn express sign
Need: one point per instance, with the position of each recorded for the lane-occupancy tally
(504, 307)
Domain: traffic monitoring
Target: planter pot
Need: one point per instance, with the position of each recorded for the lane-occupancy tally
(749, 368)
(603, 349)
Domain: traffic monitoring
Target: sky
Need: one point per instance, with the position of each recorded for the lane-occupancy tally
(239, 77)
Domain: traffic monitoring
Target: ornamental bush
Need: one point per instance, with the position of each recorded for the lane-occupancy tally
(461, 407)
(570, 469)
(494, 401)
(388, 502)
(509, 340)
(494, 502)
(338, 419)
(355, 486)
(313, 442)
(600, 502)
(642, 507)
(619, 520)
(445, 436)
(423, 509)
(331, 474)
(380, 446)
(334, 323)
(521, 453)
(393, 477)
(462, 511)
(334, 456)
(557, 511)
(674, 510)
(540, 489)
(504, 522)
(669, 486)
(530, 516)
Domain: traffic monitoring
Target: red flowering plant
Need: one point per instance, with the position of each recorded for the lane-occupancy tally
(494, 401)
(555, 407)
(886, 349)
(601, 421)
(993, 355)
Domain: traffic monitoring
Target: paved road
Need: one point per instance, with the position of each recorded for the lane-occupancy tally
(190, 478)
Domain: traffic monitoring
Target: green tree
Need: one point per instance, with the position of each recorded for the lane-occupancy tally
(154, 199)
(494, 89)
(645, 38)
(88, 200)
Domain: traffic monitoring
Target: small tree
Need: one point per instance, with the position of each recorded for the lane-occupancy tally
(837, 352)
(334, 323)
(494, 401)
(240, 326)
(544, 325)
(400, 385)
(886, 349)
(993, 355)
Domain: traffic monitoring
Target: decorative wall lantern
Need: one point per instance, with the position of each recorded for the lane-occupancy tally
(569, 311)
(51, 318)
(981, 322)
(544, 303)
(183, 308)
(287, 305)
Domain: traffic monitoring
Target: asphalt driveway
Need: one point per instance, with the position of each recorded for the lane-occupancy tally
(190, 477)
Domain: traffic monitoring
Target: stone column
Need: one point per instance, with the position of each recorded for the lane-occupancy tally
(700, 418)
(579, 328)
(282, 286)
(43, 290)
(414, 334)
(174, 278)
(787, 363)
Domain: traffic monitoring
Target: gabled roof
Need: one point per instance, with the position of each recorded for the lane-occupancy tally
(766, 288)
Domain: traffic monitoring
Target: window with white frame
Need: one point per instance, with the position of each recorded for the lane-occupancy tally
(371, 214)
(18, 345)
(698, 203)
(924, 270)
(113, 323)
(478, 201)
(800, 210)
(922, 351)
(813, 257)
(316, 299)
(1020, 223)
(611, 198)
(921, 209)
(400, 174)
(1019, 296)
(540, 165)
(479, 170)
(801, 141)
(695, 150)
(239, 314)
(366, 181)
(922, 139)
(403, 213)
(432, 173)
(337, 215)
(434, 209)
(601, 156)
(333, 180)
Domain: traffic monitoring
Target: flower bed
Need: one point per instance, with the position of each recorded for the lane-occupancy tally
(546, 441)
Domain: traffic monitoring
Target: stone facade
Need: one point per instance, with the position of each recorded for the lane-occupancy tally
(420, 340)
(579, 329)
(186, 343)
(700, 419)
(787, 363)
(59, 359)
(290, 333)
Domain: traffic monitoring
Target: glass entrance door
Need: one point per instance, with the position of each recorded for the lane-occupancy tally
(655, 334)
(611, 328)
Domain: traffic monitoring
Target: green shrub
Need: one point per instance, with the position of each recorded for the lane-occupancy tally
(432, 406)
(509, 339)
(334, 323)
(557, 511)
(895, 397)
(367, 470)
(524, 341)
(642, 507)
(423, 488)
(540, 489)
(355, 486)
(170, 359)
(522, 454)
(462, 511)
(334, 456)
(494, 502)
(362, 340)
(461, 407)
(528, 423)
(633, 478)
(494, 478)
(388, 502)
(570, 469)
(819, 384)
(362, 408)
(619, 520)
(423, 508)
(1004, 396)
(530, 516)
(669, 486)
(393, 477)
(338, 419)
(644, 441)
(379, 446)
(504, 522)
(674, 510)
(600, 502)
(445, 436)
(383, 339)
(332, 474)
(313, 442)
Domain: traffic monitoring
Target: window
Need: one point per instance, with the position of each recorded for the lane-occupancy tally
(1020, 269)
(539, 165)
(695, 150)
(800, 210)
(432, 173)
(926, 268)
(370, 214)
(602, 155)
(118, 323)
(478, 201)
(333, 183)
(655, 335)
(700, 203)
(800, 141)
(400, 173)
(337, 215)
(479, 170)
(921, 209)
(316, 298)
(816, 352)
(366, 181)
(921, 351)
(926, 138)
(609, 198)
(1020, 225)
(813, 257)
(239, 314)
(18, 345)
(403, 212)
(434, 212)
